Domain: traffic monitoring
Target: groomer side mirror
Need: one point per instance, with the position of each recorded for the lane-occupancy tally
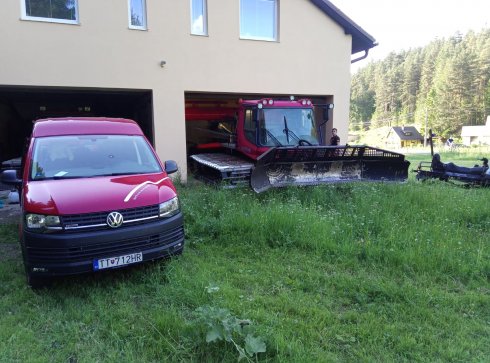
(326, 110)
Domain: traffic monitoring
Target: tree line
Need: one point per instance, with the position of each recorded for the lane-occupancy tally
(444, 86)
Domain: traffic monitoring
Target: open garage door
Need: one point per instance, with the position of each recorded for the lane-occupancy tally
(19, 106)
(219, 111)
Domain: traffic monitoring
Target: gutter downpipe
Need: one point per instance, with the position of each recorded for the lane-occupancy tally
(364, 56)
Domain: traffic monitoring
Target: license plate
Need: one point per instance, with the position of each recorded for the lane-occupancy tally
(118, 261)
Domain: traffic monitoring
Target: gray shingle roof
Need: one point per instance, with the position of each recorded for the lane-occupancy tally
(407, 133)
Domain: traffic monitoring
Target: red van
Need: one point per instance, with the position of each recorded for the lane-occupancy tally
(94, 196)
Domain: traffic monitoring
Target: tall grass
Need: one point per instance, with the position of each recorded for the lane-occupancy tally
(468, 156)
(415, 227)
(346, 272)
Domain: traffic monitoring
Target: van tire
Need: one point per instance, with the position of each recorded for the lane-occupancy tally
(36, 282)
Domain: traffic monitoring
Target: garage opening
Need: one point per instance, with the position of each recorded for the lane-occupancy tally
(211, 117)
(225, 136)
(19, 106)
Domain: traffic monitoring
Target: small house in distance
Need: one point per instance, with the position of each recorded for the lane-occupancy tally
(404, 136)
(476, 135)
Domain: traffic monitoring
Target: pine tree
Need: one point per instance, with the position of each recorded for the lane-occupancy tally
(446, 84)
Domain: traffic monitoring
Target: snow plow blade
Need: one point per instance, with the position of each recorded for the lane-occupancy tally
(313, 165)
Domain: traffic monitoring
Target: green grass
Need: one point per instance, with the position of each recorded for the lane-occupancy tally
(464, 156)
(350, 272)
(8, 233)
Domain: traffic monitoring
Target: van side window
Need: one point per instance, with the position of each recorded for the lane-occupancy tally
(249, 126)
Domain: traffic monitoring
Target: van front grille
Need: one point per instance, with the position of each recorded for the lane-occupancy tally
(91, 221)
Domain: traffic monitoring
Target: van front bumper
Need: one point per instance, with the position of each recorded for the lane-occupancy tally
(67, 253)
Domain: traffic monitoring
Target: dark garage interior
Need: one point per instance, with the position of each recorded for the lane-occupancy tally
(20, 106)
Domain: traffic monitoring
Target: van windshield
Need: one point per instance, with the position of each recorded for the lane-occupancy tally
(82, 156)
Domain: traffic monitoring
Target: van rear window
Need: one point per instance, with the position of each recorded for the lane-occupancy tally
(82, 156)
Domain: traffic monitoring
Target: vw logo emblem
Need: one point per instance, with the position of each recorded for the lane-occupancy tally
(115, 219)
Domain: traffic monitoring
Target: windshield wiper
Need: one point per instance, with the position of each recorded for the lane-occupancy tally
(288, 132)
(99, 175)
(122, 173)
(59, 177)
(56, 177)
(271, 135)
(65, 177)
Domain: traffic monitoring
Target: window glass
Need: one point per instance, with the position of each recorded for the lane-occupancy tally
(258, 19)
(137, 14)
(249, 126)
(199, 21)
(286, 126)
(64, 11)
(60, 157)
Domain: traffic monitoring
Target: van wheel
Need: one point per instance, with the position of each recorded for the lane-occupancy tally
(36, 282)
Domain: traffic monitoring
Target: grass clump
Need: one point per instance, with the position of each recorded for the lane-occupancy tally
(8, 233)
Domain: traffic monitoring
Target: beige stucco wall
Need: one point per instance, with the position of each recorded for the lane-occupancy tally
(311, 57)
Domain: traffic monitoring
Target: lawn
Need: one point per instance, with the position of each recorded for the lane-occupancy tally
(349, 272)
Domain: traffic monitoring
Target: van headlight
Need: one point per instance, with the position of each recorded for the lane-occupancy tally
(169, 208)
(40, 222)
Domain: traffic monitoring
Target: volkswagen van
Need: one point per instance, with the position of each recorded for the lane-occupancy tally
(94, 196)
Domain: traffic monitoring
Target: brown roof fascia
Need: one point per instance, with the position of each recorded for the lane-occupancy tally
(362, 41)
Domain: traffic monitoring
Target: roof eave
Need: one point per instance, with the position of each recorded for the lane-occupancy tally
(362, 41)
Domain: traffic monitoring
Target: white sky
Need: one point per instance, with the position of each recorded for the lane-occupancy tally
(405, 24)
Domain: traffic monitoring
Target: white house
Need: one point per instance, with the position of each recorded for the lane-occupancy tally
(476, 135)
(143, 59)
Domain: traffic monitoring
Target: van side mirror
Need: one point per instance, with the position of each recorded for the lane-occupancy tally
(9, 177)
(171, 166)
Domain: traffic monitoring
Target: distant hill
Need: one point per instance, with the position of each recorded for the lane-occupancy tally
(444, 85)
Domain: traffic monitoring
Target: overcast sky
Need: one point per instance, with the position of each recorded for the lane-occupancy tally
(402, 24)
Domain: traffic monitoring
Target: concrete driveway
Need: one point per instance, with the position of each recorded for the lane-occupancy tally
(9, 213)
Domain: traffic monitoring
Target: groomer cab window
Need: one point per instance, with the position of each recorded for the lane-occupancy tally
(249, 126)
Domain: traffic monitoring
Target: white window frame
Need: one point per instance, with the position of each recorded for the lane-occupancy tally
(145, 21)
(204, 18)
(275, 37)
(24, 16)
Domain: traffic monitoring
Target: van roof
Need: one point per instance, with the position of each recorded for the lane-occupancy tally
(85, 126)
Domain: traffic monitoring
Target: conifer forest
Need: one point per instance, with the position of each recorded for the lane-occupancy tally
(443, 86)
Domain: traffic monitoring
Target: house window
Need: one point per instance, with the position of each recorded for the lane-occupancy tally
(258, 19)
(199, 18)
(56, 11)
(137, 14)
